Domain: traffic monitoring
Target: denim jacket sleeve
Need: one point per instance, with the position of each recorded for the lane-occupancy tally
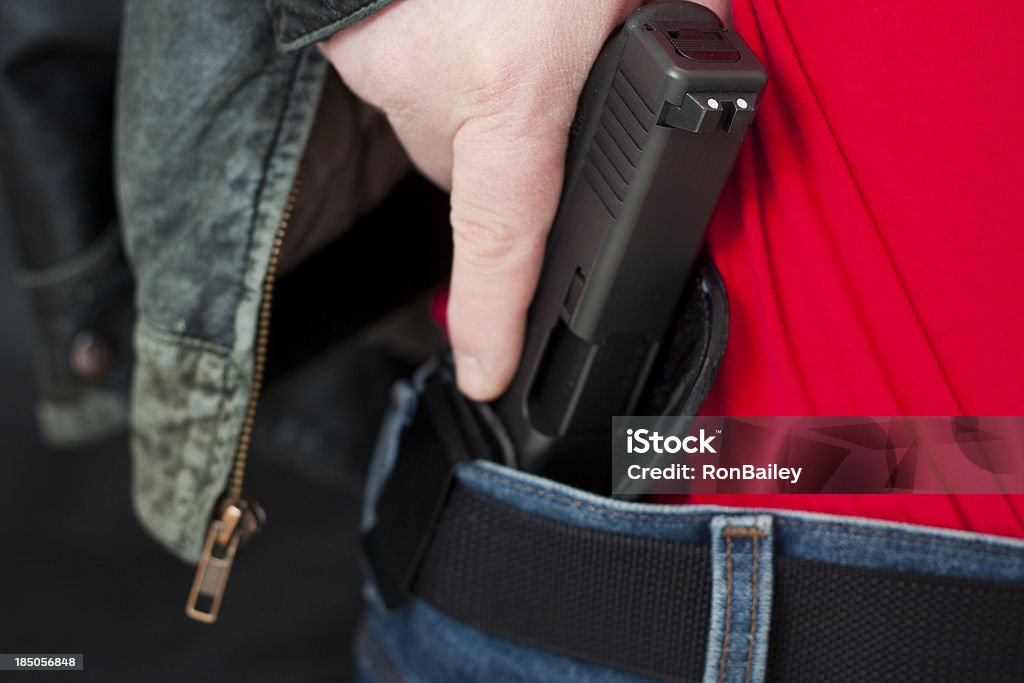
(300, 23)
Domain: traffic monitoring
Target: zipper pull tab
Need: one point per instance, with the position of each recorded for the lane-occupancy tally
(239, 520)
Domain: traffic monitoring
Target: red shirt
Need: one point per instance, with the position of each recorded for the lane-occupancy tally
(872, 235)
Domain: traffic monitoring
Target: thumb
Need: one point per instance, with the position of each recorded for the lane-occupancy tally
(506, 181)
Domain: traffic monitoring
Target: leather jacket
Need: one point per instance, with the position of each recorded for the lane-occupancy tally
(217, 104)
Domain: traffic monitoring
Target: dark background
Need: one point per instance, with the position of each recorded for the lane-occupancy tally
(78, 574)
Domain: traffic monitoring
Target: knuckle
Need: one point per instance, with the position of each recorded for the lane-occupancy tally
(494, 80)
(483, 234)
(496, 90)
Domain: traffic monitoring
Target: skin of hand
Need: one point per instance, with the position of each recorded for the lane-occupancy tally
(482, 93)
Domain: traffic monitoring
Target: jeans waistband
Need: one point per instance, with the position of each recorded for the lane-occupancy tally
(678, 592)
(827, 538)
(719, 594)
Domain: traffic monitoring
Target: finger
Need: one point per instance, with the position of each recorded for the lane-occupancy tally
(506, 180)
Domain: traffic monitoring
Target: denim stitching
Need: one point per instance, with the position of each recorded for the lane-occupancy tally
(589, 506)
(753, 610)
(755, 534)
(843, 528)
(728, 602)
(664, 518)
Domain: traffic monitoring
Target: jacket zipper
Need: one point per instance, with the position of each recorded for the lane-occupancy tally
(238, 517)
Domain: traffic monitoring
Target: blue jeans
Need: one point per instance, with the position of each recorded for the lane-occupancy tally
(419, 643)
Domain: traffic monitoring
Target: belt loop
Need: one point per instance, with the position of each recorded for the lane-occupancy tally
(741, 598)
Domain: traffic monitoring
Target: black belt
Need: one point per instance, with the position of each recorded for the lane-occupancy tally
(642, 604)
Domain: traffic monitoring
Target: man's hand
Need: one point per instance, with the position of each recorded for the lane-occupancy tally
(482, 93)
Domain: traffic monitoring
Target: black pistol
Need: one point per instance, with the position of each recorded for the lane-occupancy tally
(658, 128)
